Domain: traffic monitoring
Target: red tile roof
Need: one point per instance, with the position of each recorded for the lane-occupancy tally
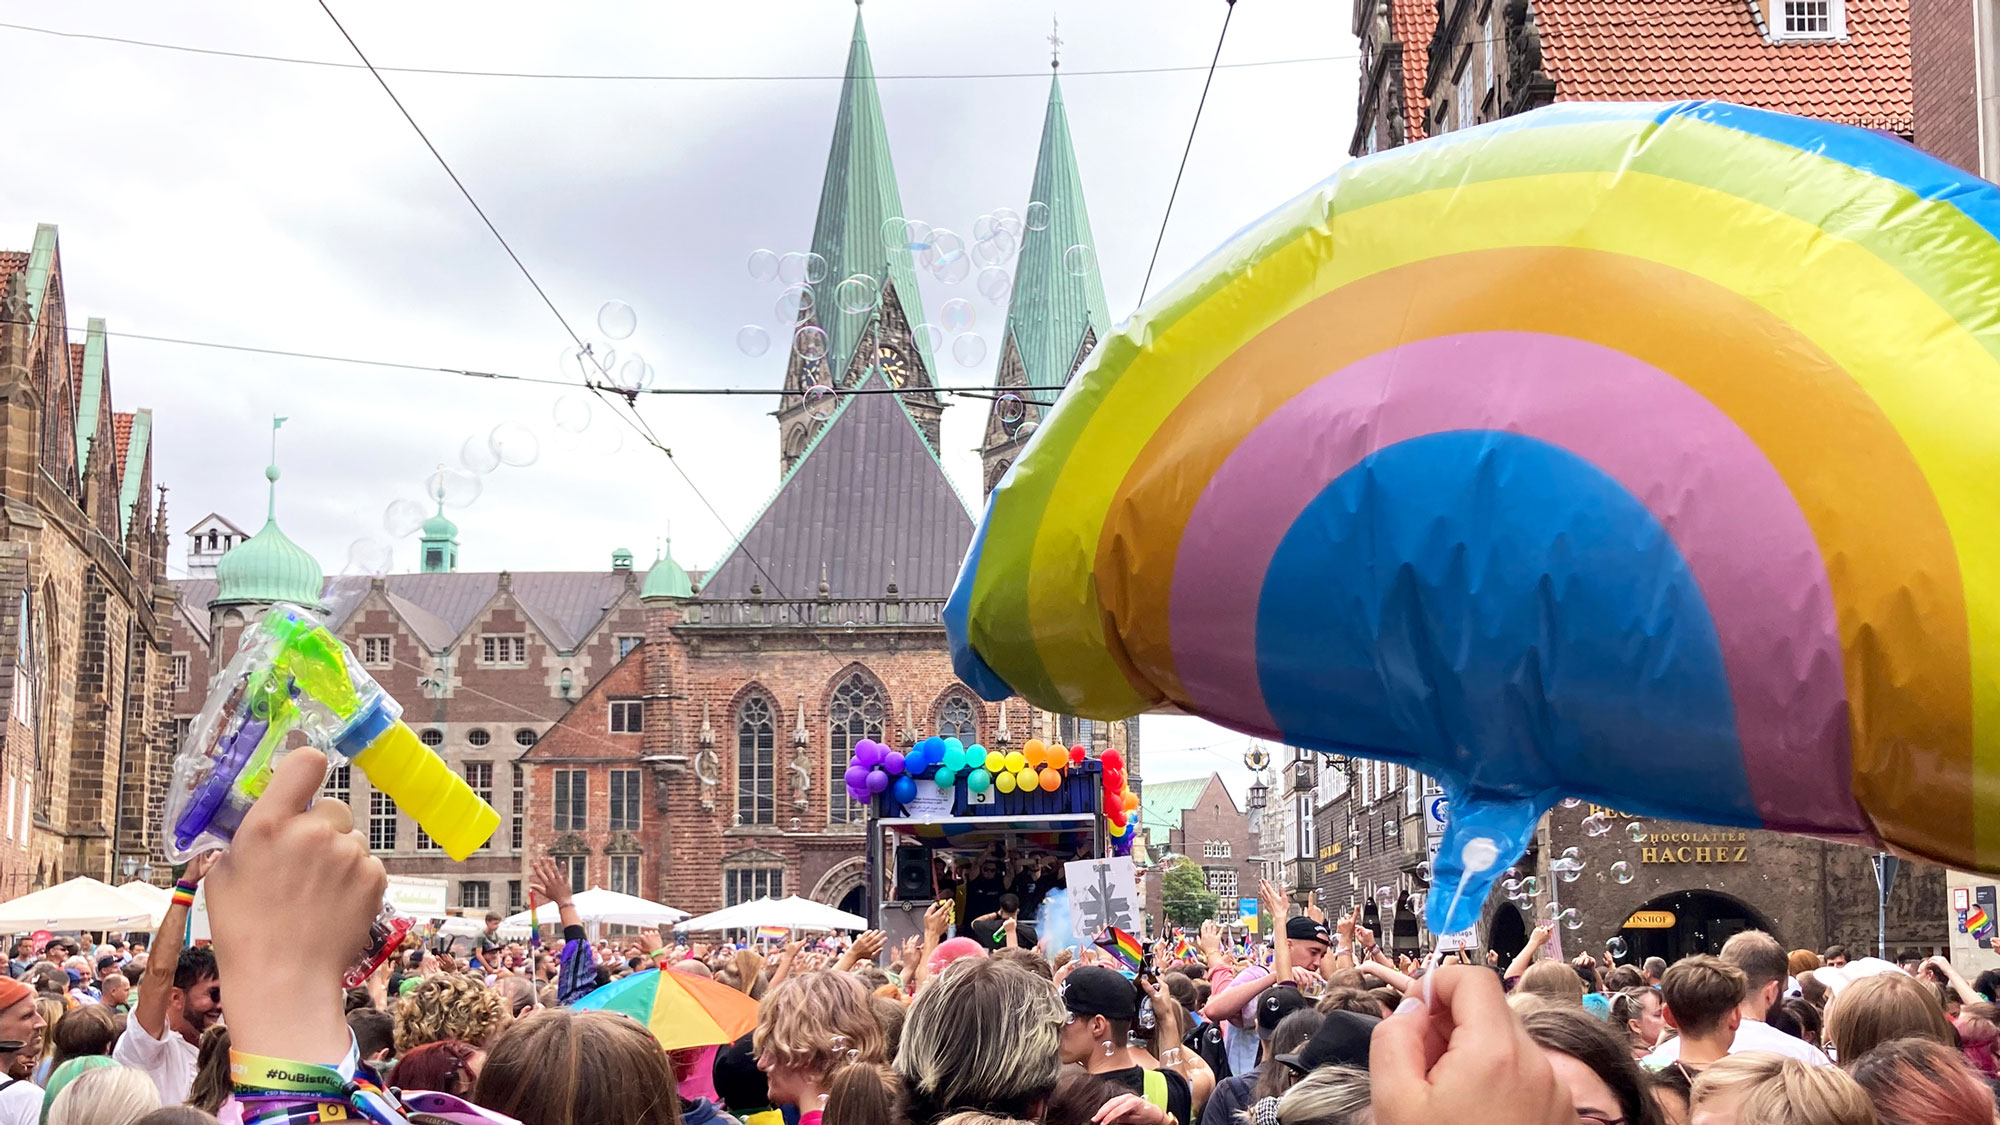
(1643, 50)
(76, 359)
(1412, 23)
(121, 433)
(11, 260)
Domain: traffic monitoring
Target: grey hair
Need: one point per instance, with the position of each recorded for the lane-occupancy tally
(1331, 1095)
(983, 1035)
(109, 1093)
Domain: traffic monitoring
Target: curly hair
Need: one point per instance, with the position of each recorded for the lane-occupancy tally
(810, 1023)
(448, 1006)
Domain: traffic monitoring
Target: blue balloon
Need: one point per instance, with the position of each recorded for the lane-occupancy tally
(905, 789)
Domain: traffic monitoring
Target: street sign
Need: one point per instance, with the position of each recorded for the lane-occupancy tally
(1650, 920)
(1436, 808)
(1463, 939)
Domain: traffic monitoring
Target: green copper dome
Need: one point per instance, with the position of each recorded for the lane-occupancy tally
(438, 527)
(666, 579)
(269, 567)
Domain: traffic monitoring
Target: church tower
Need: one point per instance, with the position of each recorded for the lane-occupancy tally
(1058, 311)
(857, 199)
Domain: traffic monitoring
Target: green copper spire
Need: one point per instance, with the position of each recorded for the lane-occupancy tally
(859, 195)
(438, 550)
(667, 579)
(268, 566)
(90, 399)
(1053, 306)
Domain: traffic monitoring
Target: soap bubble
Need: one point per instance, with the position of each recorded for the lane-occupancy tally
(575, 365)
(857, 294)
(986, 252)
(1004, 244)
(752, 340)
(943, 244)
(636, 374)
(1596, 824)
(1571, 919)
(1079, 260)
(1622, 871)
(969, 350)
(815, 267)
(452, 488)
(994, 284)
(1636, 831)
(599, 359)
(953, 268)
(929, 335)
(477, 455)
(1531, 886)
(1008, 220)
(571, 413)
(1385, 897)
(820, 401)
(617, 320)
(1615, 946)
(1572, 872)
(763, 265)
(514, 444)
(1010, 408)
(1424, 871)
(895, 233)
(792, 267)
(1038, 215)
(795, 305)
(1027, 429)
(918, 232)
(1417, 900)
(368, 555)
(810, 342)
(402, 518)
(1572, 802)
(1551, 910)
(1570, 855)
(983, 227)
(958, 315)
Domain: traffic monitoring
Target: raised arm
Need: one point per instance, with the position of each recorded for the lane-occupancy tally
(164, 956)
(1528, 953)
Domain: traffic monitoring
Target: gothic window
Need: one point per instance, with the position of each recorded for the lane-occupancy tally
(856, 713)
(748, 884)
(957, 719)
(25, 668)
(756, 761)
(795, 441)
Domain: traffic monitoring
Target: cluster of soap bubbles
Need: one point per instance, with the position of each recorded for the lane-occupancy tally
(1568, 866)
(518, 444)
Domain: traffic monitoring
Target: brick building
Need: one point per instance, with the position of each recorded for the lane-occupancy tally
(1199, 819)
(821, 626)
(1955, 59)
(84, 667)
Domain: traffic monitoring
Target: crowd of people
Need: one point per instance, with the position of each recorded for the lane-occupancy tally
(978, 1027)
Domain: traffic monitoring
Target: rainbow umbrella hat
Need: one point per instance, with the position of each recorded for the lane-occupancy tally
(680, 1010)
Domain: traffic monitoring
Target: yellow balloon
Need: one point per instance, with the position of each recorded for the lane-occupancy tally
(1017, 761)
(995, 762)
(1003, 781)
(1026, 780)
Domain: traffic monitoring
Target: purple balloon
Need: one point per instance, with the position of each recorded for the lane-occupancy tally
(857, 776)
(868, 752)
(877, 781)
(858, 794)
(893, 762)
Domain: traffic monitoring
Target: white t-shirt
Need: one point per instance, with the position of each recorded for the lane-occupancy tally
(1751, 1035)
(20, 1104)
(168, 1062)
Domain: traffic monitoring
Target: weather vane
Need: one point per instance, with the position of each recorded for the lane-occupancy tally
(1055, 43)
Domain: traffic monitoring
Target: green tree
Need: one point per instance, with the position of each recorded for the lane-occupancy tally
(1184, 894)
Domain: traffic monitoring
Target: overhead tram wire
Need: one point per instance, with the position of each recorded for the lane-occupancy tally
(631, 416)
(1182, 170)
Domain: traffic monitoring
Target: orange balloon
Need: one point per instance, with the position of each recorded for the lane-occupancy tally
(1035, 752)
(1051, 780)
(1130, 800)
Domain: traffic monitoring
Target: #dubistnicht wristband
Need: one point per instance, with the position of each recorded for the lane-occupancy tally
(285, 1092)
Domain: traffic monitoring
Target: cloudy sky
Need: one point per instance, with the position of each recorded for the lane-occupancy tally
(285, 205)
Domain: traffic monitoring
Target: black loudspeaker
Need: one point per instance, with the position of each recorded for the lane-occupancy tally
(913, 875)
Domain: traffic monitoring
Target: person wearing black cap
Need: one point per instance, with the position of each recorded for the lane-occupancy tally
(1235, 994)
(1102, 1005)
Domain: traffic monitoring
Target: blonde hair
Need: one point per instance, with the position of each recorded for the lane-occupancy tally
(1330, 1095)
(1552, 980)
(1803, 1094)
(813, 1021)
(108, 1095)
(1732, 1076)
(448, 1006)
(1882, 1007)
(983, 1033)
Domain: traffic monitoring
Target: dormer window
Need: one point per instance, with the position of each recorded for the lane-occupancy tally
(1808, 19)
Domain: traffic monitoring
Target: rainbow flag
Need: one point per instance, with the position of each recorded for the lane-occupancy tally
(772, 933)
(1977, 920)
(1124, 947)
(1184, 949)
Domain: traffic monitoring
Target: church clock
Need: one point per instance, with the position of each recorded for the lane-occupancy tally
(894, 368)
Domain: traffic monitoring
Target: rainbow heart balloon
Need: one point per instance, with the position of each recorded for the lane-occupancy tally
(1642, 453)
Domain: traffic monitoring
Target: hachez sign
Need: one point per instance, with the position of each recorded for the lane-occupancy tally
(1650, 920)
(1696, 847)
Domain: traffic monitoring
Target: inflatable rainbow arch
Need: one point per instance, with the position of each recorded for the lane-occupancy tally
(1642, 453)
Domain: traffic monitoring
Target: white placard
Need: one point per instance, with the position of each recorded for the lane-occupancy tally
(1437, 809)
(929, 805)
(1463, 939)
(1102, 893)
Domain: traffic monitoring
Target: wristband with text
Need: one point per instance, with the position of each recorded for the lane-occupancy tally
(272, 1091)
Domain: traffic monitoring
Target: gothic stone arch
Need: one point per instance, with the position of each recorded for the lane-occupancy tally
(839, 881)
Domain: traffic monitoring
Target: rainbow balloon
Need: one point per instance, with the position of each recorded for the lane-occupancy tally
(1643, 453)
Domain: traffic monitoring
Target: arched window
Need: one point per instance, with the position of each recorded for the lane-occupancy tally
(958, 719)
(855, 713)
(756, 761)
(25, 666)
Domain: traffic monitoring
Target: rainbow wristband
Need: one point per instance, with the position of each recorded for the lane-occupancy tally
(184, 894)
(273, 1091)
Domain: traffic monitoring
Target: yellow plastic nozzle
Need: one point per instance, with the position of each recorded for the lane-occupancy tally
(425, 787)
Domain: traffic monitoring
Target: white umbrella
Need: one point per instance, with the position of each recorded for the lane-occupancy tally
(607, 907)
(82, 903)
(147, 892)
(793, 913)
(474, 927)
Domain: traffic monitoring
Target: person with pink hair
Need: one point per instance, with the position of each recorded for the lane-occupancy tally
(1979, 1037)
